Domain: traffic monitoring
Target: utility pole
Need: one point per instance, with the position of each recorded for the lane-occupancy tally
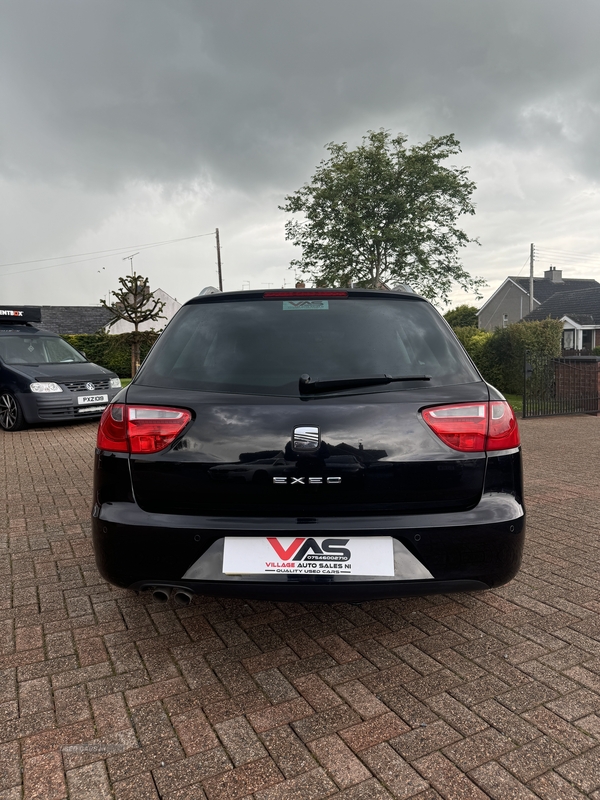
(531, 258)
(219, 260)
(130, 259)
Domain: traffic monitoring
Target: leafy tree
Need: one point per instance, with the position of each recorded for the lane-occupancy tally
(462, 317)
(384, 214)
(135, 303)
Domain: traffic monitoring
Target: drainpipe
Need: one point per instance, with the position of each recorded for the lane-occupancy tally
(531, 254)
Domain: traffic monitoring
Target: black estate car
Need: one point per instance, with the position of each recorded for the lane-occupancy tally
(43, 378)
(308, 444)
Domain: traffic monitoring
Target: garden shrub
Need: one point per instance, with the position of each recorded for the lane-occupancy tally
(111, 351)
(500, 356)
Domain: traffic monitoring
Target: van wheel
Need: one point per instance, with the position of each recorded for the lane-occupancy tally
(11, 416)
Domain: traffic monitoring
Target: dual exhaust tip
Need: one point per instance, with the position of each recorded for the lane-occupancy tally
(181, 596)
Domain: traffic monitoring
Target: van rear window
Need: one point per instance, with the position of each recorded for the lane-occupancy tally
(264, 346)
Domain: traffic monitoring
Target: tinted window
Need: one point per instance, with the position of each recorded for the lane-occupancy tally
(16, 349)
(263, 346)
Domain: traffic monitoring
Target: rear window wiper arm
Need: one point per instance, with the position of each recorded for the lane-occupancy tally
(309, 386)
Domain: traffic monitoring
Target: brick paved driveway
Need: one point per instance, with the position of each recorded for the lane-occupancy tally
(104, 694)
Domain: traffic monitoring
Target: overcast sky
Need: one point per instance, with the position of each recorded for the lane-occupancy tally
(130, 122)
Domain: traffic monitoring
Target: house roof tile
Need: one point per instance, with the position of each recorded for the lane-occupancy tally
(582, 306)
(74, 319)
(544, 289)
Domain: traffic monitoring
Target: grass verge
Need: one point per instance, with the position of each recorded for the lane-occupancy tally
(516, 402)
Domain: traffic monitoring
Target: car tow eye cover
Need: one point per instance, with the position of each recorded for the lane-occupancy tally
(140, 429)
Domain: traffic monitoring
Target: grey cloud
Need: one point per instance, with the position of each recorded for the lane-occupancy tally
(102, 93)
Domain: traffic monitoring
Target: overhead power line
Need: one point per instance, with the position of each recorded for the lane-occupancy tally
(568, 252)
(566, 255)
(523, 267)
(115, 250)
(559, 257)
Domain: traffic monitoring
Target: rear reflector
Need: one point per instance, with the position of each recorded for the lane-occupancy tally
(475, 427)
(140, 429)
(303, 293)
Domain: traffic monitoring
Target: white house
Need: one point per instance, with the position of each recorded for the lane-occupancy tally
(579, 311)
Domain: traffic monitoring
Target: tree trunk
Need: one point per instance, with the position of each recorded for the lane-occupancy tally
(135, 352)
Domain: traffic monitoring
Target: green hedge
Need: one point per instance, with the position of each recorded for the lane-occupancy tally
(500, 356)
(112, 351)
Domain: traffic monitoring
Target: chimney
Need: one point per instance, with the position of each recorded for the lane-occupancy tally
(554, 275)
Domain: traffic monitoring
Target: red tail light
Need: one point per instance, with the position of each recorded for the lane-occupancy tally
(303, 293)
(475, 427)
(140, 429)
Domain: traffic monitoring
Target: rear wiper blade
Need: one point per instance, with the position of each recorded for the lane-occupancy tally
(309, 386)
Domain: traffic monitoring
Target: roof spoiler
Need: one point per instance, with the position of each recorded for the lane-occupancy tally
(20, 314)
(209, 290)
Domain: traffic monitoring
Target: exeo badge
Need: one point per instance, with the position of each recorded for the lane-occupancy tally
(306, 439)
(333, 479)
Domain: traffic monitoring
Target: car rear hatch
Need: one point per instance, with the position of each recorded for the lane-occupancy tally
(375, 455)
(270, 435)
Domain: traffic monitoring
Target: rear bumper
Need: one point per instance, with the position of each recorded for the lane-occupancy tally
(475, 549)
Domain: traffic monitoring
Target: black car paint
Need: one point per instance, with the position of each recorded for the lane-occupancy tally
(475, 548)
(154, 516)
(403, 466)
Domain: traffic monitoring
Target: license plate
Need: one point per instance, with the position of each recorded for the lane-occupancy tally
(309, 555)
(92, 399)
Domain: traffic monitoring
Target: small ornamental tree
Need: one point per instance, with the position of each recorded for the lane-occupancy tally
(384, 213)
(134, 303)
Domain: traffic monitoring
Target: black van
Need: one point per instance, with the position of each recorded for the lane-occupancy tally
(44, 379)
(308, 444)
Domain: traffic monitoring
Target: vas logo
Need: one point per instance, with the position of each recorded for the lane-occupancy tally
(301, 549)
(299, 305)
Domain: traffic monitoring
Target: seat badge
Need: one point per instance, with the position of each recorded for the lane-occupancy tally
(306, 439)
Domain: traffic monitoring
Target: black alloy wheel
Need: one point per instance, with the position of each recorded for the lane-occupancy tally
(11, 416)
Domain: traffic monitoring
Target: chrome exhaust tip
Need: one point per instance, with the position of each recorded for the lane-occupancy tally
(183, 597)
(161, 594)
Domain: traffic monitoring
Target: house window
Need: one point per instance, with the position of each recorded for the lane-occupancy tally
(504, 320)
(569, 339)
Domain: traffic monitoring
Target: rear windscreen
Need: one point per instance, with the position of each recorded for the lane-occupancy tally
(264, 346)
